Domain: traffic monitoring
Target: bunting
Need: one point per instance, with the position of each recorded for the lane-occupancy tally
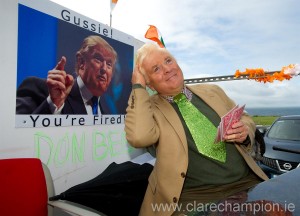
(113, 4)
(154, 34)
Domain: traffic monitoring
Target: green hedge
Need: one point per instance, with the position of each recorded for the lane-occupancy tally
(264, 120)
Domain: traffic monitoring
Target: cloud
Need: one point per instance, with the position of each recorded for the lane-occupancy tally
(256, 94)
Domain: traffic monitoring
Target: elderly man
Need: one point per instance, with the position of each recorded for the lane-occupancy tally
(190, 168)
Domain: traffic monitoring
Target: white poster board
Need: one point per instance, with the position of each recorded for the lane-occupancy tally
(75, 151)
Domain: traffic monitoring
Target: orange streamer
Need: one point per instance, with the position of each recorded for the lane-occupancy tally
(259, 74)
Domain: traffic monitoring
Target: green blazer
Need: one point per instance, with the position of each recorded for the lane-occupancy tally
(151, 120)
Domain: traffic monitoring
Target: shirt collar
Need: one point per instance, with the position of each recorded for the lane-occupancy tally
(185, 91)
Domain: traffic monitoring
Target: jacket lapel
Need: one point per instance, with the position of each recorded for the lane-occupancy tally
(172, 117)
(74, 103)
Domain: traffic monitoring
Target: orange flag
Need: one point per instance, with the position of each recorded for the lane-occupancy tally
(154, 34)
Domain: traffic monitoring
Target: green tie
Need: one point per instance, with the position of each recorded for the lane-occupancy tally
(201, 128)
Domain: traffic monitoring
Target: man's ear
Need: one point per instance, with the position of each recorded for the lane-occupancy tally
(80, 61)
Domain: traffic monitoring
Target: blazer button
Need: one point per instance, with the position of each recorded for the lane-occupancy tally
(175, 200)
(183, 175)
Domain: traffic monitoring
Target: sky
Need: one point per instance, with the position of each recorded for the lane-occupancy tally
(216, 38)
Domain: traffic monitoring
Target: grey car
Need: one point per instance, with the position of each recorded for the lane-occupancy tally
(282, 146)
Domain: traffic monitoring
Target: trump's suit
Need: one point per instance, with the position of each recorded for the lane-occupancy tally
(153, 121)
(32, 99)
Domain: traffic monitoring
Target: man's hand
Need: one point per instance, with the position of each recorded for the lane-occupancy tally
(59, 83)
(238, 133)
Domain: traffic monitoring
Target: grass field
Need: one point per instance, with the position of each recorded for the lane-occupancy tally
(264, 120)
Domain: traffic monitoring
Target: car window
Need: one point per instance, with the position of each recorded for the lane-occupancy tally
(285, 129)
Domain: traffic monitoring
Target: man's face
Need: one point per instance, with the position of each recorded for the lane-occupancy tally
(96, 70)
(165, 75)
